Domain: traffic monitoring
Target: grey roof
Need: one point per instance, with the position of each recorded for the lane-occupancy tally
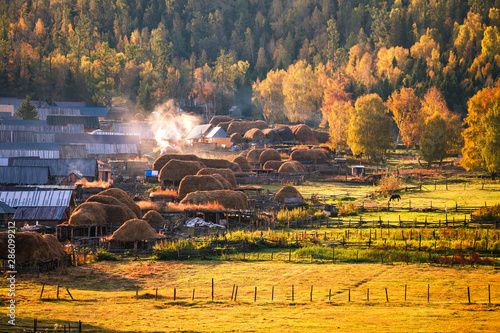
(61, 167)
(5, 114)
(81, 110)
(97, 138)
(6, 209)
(40, 213)
(10, 175)
(89, 122)
(6, 153)
(217, 132)
(145, 130)
(44, 128)
(44, 112)
(198, 132)
(30, 146)
(25, 136)
(35, 197)
(24, 122)
(16, 102)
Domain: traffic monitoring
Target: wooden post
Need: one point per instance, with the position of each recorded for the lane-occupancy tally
(272, 294)
(41, 293)
(386, 295)
(212, 289)
(79, 326)
(232, 293)
(69, 294)
(290, 254)
(156, 293)
(349, 294)
(236, 293)
(137, 292)
(489, 295)
(34, 325)
(311, 298)
(405, 291)
(428, 292)
(330, 295)
(255, 296)
(333, 255)
(468, 293)
(58, 290)
(192, 298)
(293, 297)
(367, 294)
(175, 294)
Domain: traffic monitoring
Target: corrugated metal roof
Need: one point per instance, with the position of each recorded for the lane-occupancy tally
(4, 161)
(30, 146)
(6, 209)
(11, 136)
(46, 128)
(73, 151)
(61, 167)
(97, 138)
(16, 102)
(57, 110)
(217, 132)
(96, 111)
(5, 114)
(143, 129)
(6, 153)
(24, 122)
(40, 213)
(10, 175)
(198, 131)
(33, 197)
(89, 122)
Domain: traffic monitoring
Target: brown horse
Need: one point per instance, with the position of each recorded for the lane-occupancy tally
(395, 197)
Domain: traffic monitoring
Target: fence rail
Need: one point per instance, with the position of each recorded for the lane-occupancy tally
(69, 327)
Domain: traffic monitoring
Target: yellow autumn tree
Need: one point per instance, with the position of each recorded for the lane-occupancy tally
(268, 96)
(406, 112)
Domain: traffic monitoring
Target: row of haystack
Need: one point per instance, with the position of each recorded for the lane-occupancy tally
(135, 230)
(309, 155)
(287, 192)
(32, 246)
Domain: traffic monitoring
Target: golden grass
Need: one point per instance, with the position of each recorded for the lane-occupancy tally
(180, 207)
(148, 205)
(166, 191)
(97, 183)
(107, 290)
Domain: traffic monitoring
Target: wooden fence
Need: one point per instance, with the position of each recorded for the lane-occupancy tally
(38, 326)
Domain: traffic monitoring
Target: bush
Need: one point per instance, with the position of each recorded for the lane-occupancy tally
(347, 209)
(317, 252)
(487, 213)
(389, 184)
(103, 255)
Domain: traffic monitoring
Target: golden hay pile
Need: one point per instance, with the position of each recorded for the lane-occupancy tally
(285, 133)
(244, 126)
(254, 134)
(236, 138)
(272, 135)
(224, 125)
(227, 198)
(253, 156)
(96, 183)
(32, 246)
(153, 216)
(216, 120)
(312, 155)
(287, 192)
(163, 159)
(225, 184)
(96, 213)
(172, 207)
(124, 198)
(220, 164)
(198, 183)
(269, 155)
(135, 230)
(303, 133)
(321, 137)
(107, 200)
(273, 165)
(292, 167)
(228, 174)
(242, 162)
(167, 192)
(139, 117)
(175, 170)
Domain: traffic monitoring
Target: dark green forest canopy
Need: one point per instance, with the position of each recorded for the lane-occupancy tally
(148, 51)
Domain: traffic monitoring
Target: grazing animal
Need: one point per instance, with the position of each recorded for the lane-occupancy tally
(395, 197)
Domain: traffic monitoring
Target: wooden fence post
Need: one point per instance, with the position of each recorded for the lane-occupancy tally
(236, 293)
(367, 294)
(386, 295)
(468, 293)
(428, 293)
(405, 291)
(311, 298)
(349, 294)
(41, 293)
(292, 294)
(272, 294)
(212, 289)
(330, 295)
(255, 296)
(69, 294)
(193, 295)
(489, 294)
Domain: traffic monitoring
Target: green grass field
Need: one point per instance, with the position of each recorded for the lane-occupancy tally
(105, 299)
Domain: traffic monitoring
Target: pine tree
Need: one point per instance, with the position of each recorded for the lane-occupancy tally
(27, 110)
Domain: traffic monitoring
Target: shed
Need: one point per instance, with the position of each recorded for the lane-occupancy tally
(6, 212)
(102, 145)
(42, 150)
(56, 110)
(198, 133)
(358, 170)
(20, 175)
(218, 136)
(61, 168)
(89, 123)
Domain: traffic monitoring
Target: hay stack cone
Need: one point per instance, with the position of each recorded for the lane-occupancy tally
(216, 120)
(273, 165)
(287, 192)
(228, 174)
(303, 133)
(153, 216)
(176, 170)
(236, 138)
(220, 164)
(253, 156)
(227, 198)
(254, 134)
(243, 126)
(135, 231)
(243, 163)
(269, 155)
(198, 183)
(285, 133)
(124, 198)
(163, 159)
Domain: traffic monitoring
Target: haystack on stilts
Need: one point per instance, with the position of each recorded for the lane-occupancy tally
(285, 133)
(242, 162)
(136, 234)
(254, 134)
(288, 192)
(228, 174)
(244, 126)
(227, 198)
(163, 159)
(273, 165)
(198, 183)
(236, 138)
(216, 120)
(175, 170)
(321, 137)
(269, 155)
(292, 167)
(303, 133)
(220, 164)
(312, 155)
(253, 156)
(108, 200)
(225, 184)
(123, 197)
(154, 219)
(272, 135)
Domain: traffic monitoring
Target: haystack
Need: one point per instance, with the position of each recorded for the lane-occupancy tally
(139, 117)
(108, 200)
(224, 125)
(32, 246)
(124, 198)
(269, 155)
(312, 155)
(273, 165)
(228, 174)
(292, 167)
(321, 137)
(88, 213)
(285, 133)
(227, 198)
(303, 133)
(253, 156)
(216, 120)
(242, 162)
(243, 126)
(272, 135)
(198, 183)
(226, 185)
(175, 170)
(135, 230)
(287, 192)
(56, 250)
(163, 159)
(254, 134)
(153, 216)
(220, 164)
(236, 138)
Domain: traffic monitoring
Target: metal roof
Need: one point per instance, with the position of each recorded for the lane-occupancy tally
(6, 209)
(44, 128)
(198, 132)
(143, 129)
(6, 153)
(29, 145)
(97, 138)
(56, 110)
(25, 122)
(34, 197)
(10, 175)
(89, 122)
(40, 213)
(16, 102)
(84, 110)
(217, 132)
(61, 167)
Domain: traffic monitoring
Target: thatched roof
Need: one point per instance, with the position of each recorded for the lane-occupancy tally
(243, 126)
(163, 159)
(272, 135)
(287, 192)
(253, 156)
(220, 164)
(236, 138)
(135, 230)
(269, 155)
(303, 133)
(227, 198)
(285, 133)
(312, 155)
(321, 137)
(32, 246)
(198, 183)
(225, 183)
(176, 170)
(105, 199)
(292, 167)
(216, 120)
(228, 174)
(242, 162)
(254, 134)
(273, 165)
(153, 216)
(124, 198)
